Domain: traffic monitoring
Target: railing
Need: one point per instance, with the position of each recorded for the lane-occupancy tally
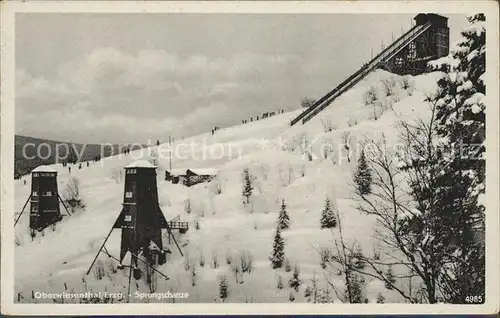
(177, 225)
(385, 55)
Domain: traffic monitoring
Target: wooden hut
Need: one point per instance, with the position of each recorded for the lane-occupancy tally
(190, 177)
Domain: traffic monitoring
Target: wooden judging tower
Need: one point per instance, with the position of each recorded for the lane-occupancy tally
(44, 199)
(141, 221)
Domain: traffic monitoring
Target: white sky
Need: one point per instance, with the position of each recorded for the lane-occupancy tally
(136, 77)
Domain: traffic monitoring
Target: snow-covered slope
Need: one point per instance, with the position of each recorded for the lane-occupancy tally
(276, 156)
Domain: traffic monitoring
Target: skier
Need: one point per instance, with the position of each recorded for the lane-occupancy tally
(69, 169)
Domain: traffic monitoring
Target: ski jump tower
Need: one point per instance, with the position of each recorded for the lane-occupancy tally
(44, 199)
(408, 55)
(141, 220)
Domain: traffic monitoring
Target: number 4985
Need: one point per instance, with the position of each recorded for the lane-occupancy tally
(477, 299)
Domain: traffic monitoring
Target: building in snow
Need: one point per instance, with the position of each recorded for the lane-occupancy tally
(190, 177)
(44, 200)
(141, 219)
(430, 41)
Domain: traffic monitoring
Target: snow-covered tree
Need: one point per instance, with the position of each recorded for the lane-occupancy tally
(307, 102)
(283, 219)
(247, 186)
(278, 253)
(223, 287)
(380, 298)
(362, 176)
(461, 125)
(328, 218)
(295, 281)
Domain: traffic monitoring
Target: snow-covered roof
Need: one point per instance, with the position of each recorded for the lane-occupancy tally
(198, 171)
(140, 164)
(43, 168)
(177, 172)
(204, 171)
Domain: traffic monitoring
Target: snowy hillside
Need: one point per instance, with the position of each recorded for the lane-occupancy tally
(285, 163)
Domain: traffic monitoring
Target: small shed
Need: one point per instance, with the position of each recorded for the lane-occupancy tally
(190, 177)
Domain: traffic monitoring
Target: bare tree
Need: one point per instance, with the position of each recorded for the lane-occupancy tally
(117, 175)
(346, 143)
(371, 95)
(411, 223)
(215, 259)
(327, 125)
(71, 194)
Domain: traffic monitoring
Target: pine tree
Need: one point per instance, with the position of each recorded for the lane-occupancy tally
(223, 287)
(295, 281)
(328, 218)
(362, 176)
(461, 125)
(380, 298)
(247, 186)
(278, 254)
(283, 219)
